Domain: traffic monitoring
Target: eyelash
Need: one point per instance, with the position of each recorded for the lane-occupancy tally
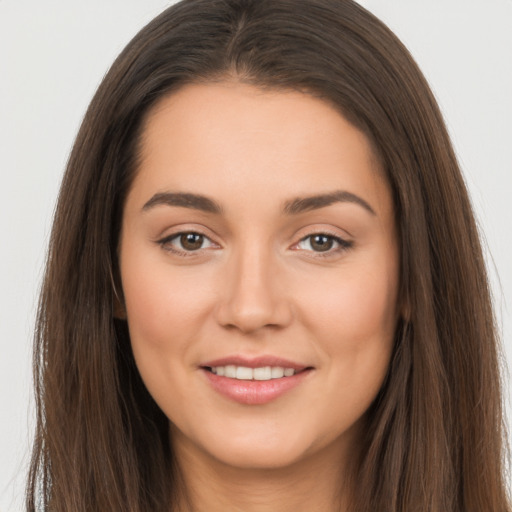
(342, 244)
(165, 243)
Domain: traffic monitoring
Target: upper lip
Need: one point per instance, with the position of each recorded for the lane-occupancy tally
(255, 362)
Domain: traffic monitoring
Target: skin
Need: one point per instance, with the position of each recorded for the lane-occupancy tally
(258, 286)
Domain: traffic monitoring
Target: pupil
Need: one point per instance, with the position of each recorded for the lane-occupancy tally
(321, 243)
(191, 241)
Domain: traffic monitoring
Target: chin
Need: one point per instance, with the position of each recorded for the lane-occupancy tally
(260, 447)
(258, 457)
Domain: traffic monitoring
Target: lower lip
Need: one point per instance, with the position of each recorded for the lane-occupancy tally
(254, 392)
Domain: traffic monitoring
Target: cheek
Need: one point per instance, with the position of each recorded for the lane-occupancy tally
(164, 315)
(353, 306)
(354, 320)
(163, 309)
(158, 297)
(355, 324)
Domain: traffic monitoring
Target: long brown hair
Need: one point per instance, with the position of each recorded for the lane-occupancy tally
(434, 441)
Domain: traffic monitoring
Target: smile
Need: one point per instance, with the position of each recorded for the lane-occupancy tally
(254, 381)
(246, 373)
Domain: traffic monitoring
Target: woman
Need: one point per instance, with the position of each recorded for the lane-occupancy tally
(265, 289)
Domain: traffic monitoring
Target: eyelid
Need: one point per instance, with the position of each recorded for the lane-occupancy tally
(343, 243)
(165, 241)
(183, 228)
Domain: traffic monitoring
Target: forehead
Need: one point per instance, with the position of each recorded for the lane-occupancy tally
(222, 137)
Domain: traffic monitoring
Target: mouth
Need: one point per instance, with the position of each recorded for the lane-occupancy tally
(260, 373)
(256, 381)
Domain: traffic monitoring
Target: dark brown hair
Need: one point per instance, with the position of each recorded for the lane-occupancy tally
(434, 441)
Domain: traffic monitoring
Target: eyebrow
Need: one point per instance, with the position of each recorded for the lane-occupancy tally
(305, 204)
(185, 200)
(292, 207)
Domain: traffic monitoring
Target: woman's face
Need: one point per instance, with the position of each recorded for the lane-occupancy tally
(258, 241)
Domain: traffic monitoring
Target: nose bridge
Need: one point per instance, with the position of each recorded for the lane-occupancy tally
(253, 296)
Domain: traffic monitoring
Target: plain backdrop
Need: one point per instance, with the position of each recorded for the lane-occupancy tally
(53, 55)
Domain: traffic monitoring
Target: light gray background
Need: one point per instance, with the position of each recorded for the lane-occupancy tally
(53, 55)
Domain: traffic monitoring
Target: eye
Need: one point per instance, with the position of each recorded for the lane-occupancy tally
(186, 242)
(323, 243)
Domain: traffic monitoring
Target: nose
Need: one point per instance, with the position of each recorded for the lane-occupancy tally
(253, 295)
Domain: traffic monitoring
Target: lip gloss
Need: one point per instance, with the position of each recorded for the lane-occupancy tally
(254, 392)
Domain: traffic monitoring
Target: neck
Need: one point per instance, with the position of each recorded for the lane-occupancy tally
(319, 482)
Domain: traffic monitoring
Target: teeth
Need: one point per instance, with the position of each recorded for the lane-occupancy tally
(244, 373)
(264, 373)
(277, 372)
(230, 371)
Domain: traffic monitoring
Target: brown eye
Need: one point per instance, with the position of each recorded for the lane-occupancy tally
(186, 243)
(191, 241)
(321, 243)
